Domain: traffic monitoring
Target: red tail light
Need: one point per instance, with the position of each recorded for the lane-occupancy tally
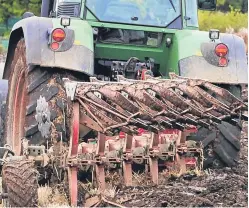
(58, 35)
(54, 46)
(221, 50)
(223, 61)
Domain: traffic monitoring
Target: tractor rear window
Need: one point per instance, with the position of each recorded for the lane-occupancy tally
(130, 37)
(158, 13)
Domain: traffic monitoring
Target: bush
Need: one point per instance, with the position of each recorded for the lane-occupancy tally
(6, 34)
(222, 21)
(1, 49)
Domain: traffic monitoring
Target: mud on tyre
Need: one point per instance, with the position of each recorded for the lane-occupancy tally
(20, 183)
(36, 102)
(221, 146)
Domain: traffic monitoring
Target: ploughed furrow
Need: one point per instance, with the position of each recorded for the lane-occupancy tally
(156, 104)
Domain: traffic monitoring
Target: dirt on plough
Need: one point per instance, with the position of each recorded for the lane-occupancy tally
(226, 187)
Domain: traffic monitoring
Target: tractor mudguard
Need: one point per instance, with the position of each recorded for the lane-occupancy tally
(237, 51)
(35, 31)
(205, 66)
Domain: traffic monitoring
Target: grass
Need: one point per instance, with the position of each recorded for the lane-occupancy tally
(52, 197)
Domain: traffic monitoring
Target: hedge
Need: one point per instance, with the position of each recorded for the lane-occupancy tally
(222, 21)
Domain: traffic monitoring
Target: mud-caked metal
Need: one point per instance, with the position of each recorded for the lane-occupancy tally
(56, 100)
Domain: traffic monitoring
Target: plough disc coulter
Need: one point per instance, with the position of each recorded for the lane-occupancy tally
(142, 122)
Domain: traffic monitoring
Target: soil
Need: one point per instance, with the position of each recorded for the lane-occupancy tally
(227, 187)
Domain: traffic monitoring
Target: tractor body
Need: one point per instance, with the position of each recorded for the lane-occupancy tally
(100, 32)
(110, 84)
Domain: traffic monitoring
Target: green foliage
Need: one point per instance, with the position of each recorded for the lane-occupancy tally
(221, 2)
(223, 21)
(225, 5)
(235, 4)
(35, 6)
(6, 34)
(10, 8)
(1, 49)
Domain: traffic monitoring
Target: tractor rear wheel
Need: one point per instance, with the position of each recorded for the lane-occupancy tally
(20, 183)
(2, 122)
(221, 146)
(36, 103)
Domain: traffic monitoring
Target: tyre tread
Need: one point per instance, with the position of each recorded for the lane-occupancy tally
(20, 179)
(225, 144)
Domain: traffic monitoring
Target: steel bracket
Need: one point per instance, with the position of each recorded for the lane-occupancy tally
(127, 156)
(70, 87)
(154, 153)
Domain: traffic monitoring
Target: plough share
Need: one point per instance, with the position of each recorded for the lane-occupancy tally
(142, 122)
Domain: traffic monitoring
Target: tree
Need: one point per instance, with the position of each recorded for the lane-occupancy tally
(244, 8)
(35, 6)
(225, 5)
(10, 8)
(5, 7)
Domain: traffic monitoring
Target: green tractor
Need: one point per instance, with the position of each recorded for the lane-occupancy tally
(51, 58)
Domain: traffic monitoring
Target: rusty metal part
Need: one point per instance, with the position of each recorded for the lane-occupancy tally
(127, 154)
(92, 201)
(73, 152)
(227, 97)
(154, 104)
(111, 202)
(100, 158)
(35, 153)
(148, 148)
(167, 111)
(153, 161)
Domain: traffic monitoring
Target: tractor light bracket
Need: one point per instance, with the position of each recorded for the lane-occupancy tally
(65, 21)
(214, 34)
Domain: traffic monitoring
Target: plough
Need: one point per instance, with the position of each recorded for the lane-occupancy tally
(142, 122)
(67, 125)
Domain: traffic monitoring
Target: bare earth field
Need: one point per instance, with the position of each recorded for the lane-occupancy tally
(225, 187)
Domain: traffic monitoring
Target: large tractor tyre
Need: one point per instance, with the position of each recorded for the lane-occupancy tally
(3, 94)
(36, 103)
(20, 184)
(221, 146)
(2, 122)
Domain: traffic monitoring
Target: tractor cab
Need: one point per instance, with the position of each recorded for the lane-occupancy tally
(140, 29)
(158, 13)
